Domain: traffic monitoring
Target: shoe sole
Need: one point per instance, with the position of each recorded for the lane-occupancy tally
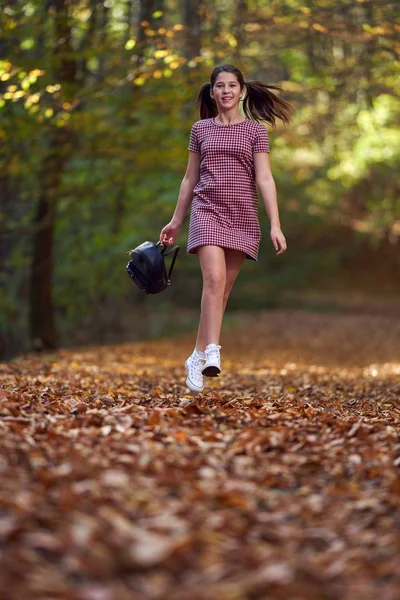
(211, 371)
(190, 385)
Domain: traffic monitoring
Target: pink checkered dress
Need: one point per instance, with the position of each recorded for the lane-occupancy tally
(224, 210)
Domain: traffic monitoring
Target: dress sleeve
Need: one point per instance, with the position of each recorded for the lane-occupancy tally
(194, 145)
(261, 143)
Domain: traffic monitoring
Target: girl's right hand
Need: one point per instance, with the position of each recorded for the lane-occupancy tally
(169, 233)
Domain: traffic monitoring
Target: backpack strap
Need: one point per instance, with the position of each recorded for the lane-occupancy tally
(165, 251)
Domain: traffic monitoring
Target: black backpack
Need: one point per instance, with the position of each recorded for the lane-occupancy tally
(147, 266)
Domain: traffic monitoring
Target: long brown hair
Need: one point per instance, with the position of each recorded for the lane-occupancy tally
(261, 104)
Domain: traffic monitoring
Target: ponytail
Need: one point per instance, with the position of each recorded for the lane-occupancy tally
(206, 104)
(261, 104)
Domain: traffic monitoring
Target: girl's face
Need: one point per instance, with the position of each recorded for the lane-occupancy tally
(226, 91)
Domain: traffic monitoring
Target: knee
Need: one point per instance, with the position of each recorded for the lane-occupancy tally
(215, 282)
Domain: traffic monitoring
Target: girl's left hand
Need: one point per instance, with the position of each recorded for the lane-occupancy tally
(278, 240)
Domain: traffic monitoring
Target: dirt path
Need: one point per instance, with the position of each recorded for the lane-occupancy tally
(282, 481)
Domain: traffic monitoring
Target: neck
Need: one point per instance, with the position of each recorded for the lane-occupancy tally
(229, 117)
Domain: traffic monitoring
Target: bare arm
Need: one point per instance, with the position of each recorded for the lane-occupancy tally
(266, 184)
(170, 232)
(188, 184)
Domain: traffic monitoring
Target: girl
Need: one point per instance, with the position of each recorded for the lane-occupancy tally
(228, 158)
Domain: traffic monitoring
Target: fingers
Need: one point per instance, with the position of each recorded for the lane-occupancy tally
(279, 245)
(165, 239)
(169, 234)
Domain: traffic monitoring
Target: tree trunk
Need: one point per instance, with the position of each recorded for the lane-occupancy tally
(42, 318)
(145, 16)
(192, 23)
(239, 20)
(88, 42)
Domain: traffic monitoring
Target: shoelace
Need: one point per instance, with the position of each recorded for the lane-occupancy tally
(195, 363)
(213, 352)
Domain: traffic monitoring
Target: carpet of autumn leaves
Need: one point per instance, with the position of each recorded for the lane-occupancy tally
(280, 481)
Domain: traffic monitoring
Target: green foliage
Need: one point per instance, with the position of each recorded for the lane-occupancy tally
(124, 91)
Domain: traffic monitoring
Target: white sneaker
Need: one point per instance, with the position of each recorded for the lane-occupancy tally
(212, 367)
(193, 366)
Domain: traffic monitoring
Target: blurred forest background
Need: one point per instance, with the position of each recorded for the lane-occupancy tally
(97, 98)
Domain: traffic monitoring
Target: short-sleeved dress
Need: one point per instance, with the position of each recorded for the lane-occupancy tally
(224, 209)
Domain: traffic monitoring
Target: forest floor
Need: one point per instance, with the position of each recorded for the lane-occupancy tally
(280, 481)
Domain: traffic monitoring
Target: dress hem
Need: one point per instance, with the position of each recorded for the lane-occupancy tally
(254, 256)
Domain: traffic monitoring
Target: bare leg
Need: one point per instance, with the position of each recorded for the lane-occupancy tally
(201, 336)
(213, 268)
(233, 261)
